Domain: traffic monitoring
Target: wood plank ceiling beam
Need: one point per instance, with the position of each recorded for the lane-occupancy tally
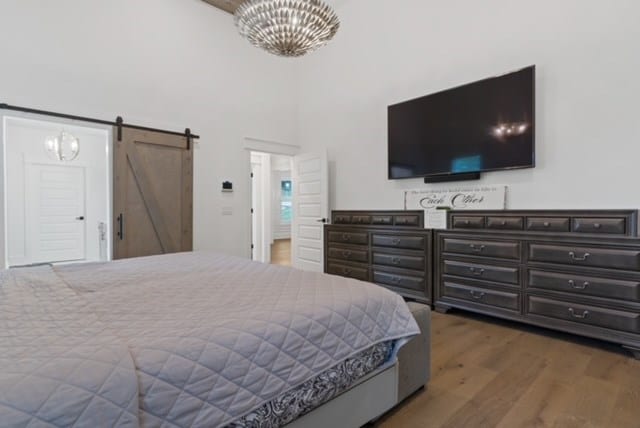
(226, 5)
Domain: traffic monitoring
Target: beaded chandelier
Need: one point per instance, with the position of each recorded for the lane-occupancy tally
(288, 28)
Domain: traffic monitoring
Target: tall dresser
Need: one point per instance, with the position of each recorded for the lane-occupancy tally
(389, 248)
(574, 271)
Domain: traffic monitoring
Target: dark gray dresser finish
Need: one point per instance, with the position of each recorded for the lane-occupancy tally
(389, 248)
(575, 271)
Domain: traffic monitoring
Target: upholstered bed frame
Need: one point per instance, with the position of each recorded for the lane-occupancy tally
(379, 392)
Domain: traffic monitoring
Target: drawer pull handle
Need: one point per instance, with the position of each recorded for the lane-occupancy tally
(575, 286)
(467, 222)
(346, 237)
(395, 241)
(478, 248)
(346, 254)
(476, 294)
(503, 223)
(581, 316)
(546, 224)
(477, 272)
(395, 260)
(579, 259)
(396, 279)
(346, 271)
(597, 225)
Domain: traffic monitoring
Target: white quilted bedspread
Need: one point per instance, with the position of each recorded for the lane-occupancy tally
(191, 339)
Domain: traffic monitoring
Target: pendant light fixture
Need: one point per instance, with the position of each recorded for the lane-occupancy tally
(289, 28)
(65, 147)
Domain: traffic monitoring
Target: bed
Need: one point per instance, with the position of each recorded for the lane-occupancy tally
(192, 339)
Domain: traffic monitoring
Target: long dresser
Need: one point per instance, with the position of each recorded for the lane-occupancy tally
(574, 271)
(389, 248)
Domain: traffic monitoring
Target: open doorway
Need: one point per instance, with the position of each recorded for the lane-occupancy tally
(57, 181)
(272, 211)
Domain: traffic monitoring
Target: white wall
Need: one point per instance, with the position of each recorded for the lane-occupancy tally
(588, 91)
(162, 63)
(24, 144)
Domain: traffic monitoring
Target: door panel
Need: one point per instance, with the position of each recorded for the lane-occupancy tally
(153, 194)
(310, 180)
(55, 198)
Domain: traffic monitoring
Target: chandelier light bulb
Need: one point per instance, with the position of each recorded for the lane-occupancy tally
(289, 28)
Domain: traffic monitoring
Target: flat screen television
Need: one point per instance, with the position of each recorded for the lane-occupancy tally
(487, 125)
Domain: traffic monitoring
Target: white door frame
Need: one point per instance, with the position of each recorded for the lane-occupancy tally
(6, 118)
(262, 146)
(261, 206)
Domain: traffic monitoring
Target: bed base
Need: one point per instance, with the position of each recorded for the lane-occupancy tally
(368, 400)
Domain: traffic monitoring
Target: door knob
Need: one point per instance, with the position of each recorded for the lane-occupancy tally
(322, 220)
(80, 217)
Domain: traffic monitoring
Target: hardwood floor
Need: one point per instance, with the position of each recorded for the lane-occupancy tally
(281, 252)
(490, 373)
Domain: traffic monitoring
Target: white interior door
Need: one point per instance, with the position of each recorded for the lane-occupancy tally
(55, 215)
(310, 180)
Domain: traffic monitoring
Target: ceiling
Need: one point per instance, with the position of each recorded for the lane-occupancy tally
(231, 5)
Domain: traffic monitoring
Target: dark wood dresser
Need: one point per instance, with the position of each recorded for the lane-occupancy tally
(389, 248)
(575, 271)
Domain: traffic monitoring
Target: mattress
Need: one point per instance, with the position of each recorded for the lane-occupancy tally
(190, 339)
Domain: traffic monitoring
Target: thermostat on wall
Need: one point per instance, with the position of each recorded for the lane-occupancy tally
(227, 186)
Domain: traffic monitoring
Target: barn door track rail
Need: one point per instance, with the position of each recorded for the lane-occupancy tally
(118, 123)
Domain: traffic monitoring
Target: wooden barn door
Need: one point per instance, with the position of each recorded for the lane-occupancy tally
(152, 194)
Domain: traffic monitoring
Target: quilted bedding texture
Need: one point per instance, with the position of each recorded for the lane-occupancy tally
(190, 339)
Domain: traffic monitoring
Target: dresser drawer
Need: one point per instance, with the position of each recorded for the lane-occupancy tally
(586, 256)
(399, 241)
(585, 285)
(407, 220)
(399, 260)
(507, 250)
(548, 224)
(467, 222)
(501, 299)
(341, 219)
(414, 282)
(505, 223)
(585, 314)
(386, 220)
(360, 219)
(616, 226)
(348, 254)
(509, 275)
(349, 237)
(361, 273)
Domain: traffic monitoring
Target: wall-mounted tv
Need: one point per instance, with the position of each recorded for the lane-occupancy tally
(487, 125)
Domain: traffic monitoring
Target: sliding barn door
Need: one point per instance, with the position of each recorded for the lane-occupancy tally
(152, 194)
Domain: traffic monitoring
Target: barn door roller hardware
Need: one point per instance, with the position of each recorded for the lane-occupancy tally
(187, 133)
(119, 123)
